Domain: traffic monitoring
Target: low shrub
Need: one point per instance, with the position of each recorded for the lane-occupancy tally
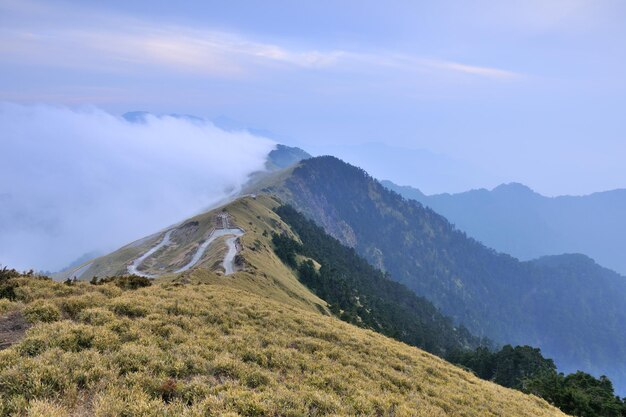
(226, 367)
(7, 289)
(79, 338)
(42, 311)
(129, 309)
(7, 305)
(32, 346)
(72, 306)
(256, 379)
(96, 316)
(168, 390)
(126, 282)
(46, 408)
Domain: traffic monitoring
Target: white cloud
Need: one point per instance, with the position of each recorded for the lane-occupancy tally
(122, 45)
(77, 181)
(487, 72)
(167, 49)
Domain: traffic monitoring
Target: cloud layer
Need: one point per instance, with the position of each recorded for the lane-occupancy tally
(118, 44)
(78, 181)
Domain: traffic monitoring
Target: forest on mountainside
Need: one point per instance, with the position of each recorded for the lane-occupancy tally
(558, 306)
(524, 368)
(360, 294)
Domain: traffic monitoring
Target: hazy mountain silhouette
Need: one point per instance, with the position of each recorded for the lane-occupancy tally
(514, 219)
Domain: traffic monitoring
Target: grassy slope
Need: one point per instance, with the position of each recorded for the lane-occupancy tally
(263, 274)
(254, 216)
(254, 343)
(209, 349)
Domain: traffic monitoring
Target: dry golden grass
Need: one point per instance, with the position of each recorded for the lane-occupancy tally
(263, 273)
(256, 343)
(208, 349)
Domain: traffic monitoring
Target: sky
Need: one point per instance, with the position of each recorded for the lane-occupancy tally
(444, 96)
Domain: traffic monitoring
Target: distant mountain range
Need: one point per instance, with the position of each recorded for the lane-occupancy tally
(514, 219)
(567, 305)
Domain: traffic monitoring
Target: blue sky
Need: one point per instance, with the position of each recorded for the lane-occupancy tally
(487, 91)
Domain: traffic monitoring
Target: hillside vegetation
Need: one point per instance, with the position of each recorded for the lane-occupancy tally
(256, 343)
(362, 295)
(577, 318)
(524, 368)
(204, 348)
(260, 269)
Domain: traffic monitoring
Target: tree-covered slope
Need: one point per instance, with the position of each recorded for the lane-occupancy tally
(577, 319)
(524, 368)
(360, 294)
(514, 219)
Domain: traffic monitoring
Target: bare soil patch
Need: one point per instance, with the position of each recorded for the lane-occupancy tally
(13, 326)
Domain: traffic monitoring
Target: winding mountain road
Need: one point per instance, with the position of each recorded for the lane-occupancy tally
(224, 230)
(228, 263)
(229, 259)
(133, 267)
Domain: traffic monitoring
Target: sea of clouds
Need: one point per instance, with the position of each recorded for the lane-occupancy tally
(83, 181)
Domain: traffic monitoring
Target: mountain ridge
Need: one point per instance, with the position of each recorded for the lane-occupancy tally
(492, 293)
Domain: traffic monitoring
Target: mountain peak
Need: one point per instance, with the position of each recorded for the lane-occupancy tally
(514, 187)
(284, 156)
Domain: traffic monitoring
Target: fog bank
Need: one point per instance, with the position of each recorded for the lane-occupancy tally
(75, 181)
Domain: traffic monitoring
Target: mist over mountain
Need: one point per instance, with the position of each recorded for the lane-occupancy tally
(76, 181)
(569, 306)
(284, 156)
(514, 219)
